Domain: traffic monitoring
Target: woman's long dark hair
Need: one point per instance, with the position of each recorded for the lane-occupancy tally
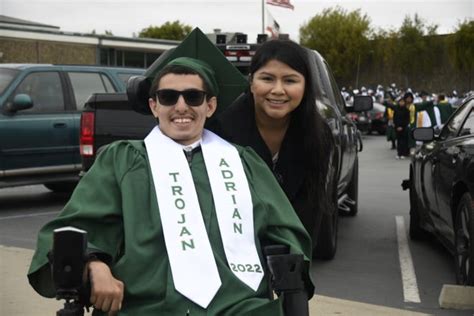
(306, 119)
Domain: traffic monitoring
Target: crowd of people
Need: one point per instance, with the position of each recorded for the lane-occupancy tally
(381, 93)
(406, 110)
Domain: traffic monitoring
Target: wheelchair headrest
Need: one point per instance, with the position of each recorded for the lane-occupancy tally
(138, 88)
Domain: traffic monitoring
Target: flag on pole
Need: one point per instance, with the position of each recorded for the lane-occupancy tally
(281, 3)
(272, 25)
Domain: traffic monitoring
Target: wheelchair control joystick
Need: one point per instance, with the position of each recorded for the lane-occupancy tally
(68, 260)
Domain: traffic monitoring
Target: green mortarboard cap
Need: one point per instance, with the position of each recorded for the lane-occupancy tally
(231, 83)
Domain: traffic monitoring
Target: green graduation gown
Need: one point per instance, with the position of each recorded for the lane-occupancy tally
(445, 110)
(414, 108)
(115, 203)
(427, 106)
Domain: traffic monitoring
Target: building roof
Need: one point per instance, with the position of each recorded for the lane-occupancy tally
(16, 28)
(19, 22)
(12, 26)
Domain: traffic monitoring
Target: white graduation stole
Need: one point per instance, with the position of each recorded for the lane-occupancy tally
(234, 208)
(423, 119)
(193, 265)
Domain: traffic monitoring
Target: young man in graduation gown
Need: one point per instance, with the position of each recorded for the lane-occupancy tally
(425, 106)
(445, 108)
(177, 222)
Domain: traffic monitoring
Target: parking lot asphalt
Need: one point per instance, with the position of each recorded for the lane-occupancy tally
(19, 299)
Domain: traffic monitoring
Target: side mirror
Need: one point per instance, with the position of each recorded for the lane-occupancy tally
(423, 134)
(362, 103)
(20, 102)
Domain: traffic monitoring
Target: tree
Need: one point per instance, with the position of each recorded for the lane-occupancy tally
(170, 30)
(416, 56)
(342, 39)
(384, 45)
(462, 49)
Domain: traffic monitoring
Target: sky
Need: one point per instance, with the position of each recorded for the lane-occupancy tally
(129, 17)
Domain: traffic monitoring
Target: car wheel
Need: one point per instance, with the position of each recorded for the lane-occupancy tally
(353, 190)
(415, 230)
(61, 187)
(464, 236)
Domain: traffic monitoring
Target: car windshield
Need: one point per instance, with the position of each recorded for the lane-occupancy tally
(452, 126)
(6, 77)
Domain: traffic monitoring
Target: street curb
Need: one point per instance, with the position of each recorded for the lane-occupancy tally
(327, 306)
(457, 297)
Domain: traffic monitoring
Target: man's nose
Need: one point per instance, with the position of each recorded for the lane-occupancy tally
(181, 104)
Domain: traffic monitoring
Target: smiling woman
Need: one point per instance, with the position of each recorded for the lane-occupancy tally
(278, 119)
(278, 90)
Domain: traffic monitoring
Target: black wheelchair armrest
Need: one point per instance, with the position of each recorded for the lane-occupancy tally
(287, 279)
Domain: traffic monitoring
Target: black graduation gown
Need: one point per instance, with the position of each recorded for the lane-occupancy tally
(237, 125)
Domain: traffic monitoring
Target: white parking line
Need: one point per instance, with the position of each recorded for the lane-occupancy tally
(27, 215)
(410, 286)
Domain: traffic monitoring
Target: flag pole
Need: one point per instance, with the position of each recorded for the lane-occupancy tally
(263, 16)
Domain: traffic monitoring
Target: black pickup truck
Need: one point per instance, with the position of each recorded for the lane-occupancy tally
(109, 117)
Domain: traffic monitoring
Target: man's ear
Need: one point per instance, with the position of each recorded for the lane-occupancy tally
(211, 106)
(152, 104)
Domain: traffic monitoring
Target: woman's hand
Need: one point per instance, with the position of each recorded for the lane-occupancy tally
(106, 291)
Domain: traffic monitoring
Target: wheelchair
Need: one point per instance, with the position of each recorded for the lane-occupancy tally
(69, 256)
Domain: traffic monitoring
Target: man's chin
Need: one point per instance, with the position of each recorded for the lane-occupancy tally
(183, 138)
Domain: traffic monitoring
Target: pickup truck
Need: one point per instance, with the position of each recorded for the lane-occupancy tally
(108, 117)
(40, 108)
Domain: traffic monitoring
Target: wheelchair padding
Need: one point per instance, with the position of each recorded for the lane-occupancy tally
(138, 88)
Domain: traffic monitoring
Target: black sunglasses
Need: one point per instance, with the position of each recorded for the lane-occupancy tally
(169, 97)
